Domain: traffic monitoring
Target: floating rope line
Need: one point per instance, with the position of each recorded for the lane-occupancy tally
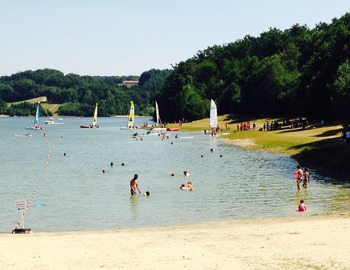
(39, 181)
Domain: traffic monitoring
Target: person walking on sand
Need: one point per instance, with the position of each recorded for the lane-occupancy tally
(299, 176)
(134, 185)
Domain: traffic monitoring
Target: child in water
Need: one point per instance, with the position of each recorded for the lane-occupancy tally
(302, 206)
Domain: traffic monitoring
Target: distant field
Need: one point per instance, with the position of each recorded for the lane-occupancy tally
(32, 100)
(51, 107)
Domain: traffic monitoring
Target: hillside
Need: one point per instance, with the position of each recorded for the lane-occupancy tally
(43, 101)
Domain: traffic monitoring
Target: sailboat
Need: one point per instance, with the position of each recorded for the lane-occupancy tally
(213, 122)
(36, 124)
(94, 120)
(131, 119)
(162, 130)
(158, 121)
(157, 130)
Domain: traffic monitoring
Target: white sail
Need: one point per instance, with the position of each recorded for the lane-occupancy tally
(213, 123)
(158, 122)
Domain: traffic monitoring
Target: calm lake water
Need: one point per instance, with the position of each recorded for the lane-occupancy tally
(70, 192)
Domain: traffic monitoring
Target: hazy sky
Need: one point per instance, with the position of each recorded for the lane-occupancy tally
(115, 37)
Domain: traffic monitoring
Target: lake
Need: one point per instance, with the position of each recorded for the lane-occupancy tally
(61, 175)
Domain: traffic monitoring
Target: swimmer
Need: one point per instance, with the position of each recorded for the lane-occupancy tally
(189, 186)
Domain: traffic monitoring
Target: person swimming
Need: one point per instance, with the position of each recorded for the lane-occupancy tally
(189, 186)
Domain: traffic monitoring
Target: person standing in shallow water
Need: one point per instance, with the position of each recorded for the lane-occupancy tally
(134, 185)
(306, 178)
(299, 176)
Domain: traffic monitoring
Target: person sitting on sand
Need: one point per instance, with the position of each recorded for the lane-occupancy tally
(302, 206)
(186, 173)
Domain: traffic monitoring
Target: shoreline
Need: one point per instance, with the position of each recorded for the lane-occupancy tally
(316, 147)
(305, 242)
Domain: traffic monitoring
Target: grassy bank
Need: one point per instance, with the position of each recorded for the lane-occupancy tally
(318, 148)
(47, 106)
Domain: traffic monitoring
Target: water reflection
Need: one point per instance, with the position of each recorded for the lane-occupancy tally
(134, 203)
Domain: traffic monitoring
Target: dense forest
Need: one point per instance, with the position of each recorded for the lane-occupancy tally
(295, 72)
(78, 94)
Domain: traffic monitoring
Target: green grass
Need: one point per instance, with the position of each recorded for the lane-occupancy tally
(32, 100)
(47, 106)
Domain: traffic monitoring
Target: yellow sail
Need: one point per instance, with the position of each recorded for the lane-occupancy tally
(131, 121)
(94, 122)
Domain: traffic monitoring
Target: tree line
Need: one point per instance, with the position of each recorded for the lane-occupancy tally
(295, 72)
(79, 94)
(292, 73)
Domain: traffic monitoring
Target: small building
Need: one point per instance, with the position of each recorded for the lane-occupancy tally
(130, 82)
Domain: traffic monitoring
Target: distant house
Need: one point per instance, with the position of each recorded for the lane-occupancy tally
(130, 82)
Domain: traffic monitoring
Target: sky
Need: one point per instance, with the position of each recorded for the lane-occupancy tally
(121, 38)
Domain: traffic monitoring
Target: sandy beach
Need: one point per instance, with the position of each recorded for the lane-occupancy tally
(305, 242)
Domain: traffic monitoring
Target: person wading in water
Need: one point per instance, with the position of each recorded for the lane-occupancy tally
(134, 185)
